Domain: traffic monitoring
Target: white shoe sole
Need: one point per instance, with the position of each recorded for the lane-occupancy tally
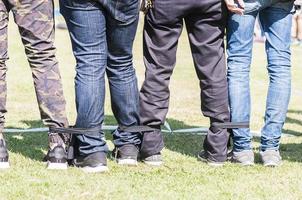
(246, 164)
(130, 162)
(272, 164)
(98, 169)
(212, 164)
(56, 166)
(4, 165)
(153, 163)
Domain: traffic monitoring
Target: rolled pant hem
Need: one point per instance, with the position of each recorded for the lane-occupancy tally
(269, 148)
(242, 148)
(89, 152)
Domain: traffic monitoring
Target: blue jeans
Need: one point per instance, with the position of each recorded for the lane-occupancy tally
(276, 23)
(102, 35)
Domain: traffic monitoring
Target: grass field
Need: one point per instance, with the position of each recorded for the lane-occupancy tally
(182, 176)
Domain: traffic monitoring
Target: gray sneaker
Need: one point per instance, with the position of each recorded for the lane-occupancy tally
(203, 157)
(245, 158)
(154, 160)
(271, 158)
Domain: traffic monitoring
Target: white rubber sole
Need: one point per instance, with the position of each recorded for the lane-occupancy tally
(4, 165)
(153, 163)
(212, 164)
(129, 162)
(246, 164)
(57, 166)
(272, 164)
(98, 169)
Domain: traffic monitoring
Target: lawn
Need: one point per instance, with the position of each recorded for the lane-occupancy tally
(182, 176)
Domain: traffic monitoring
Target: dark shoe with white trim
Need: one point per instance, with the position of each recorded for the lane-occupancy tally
(57, 155)
(154, 160)
(92, 163)
(203, 157)
(126, 154)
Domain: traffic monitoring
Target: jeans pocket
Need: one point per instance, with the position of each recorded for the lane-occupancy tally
(126, 10)
(255, 5)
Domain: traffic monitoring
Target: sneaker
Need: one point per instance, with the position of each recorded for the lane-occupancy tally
(57, 155)
(271, 158)
(4, 164)
(57, 158)
(92, 163)
(230, 155)
(245, 158)
(126, 155)
(203, 157)
(154, 160)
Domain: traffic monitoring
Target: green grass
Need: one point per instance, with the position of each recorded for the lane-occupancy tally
(182, 176)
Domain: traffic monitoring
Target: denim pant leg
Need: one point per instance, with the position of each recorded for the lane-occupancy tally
(87, 29)
(239, 49)
(276, 23)
(121, 30)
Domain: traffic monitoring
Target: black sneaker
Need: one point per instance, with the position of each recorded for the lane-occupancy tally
(92, 163)
(203, 157)
(126, 155)
(154, 160)
(57, 155)
(4, 164)
(57, 158)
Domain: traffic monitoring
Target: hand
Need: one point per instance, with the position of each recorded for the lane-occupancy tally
(146, 5)
(237, 7)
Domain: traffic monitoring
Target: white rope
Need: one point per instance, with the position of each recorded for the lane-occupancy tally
(194, 131)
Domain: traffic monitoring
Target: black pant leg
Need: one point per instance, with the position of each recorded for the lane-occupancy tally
(159, 44)
(206, 34)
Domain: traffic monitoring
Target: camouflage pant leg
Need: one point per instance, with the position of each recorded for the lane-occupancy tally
(35, 19)
(3, 58)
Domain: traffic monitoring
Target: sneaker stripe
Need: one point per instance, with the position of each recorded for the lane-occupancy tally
(129, 161)
(57, 166)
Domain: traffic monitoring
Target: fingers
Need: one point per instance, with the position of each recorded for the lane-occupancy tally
(229, 2)
(237, 10)
(233, 7)
(241, 3)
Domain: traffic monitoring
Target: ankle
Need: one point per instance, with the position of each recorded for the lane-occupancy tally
(54, 140)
